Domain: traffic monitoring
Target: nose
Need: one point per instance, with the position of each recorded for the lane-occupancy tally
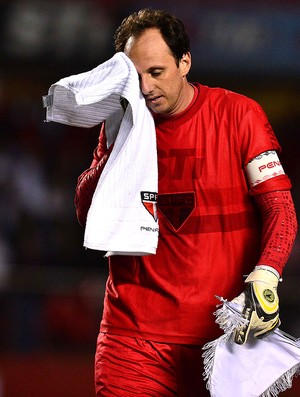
(146, 84)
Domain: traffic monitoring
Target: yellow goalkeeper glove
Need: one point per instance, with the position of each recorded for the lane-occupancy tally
(260, 304)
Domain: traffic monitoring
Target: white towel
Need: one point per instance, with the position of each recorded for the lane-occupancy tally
(259, 368)
(122, 218)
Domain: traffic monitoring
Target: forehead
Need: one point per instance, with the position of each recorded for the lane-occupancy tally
(149, 49)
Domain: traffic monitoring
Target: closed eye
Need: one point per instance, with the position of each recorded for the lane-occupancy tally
(155, 74)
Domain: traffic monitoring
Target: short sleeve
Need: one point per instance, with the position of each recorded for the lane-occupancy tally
(256, 134)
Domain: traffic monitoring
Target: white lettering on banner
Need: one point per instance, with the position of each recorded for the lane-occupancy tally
(263, 167)
(149, 196)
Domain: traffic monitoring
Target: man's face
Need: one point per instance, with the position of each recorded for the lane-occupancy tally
(162, 81)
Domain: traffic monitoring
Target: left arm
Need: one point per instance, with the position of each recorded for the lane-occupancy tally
(279, 228)
(260, 300)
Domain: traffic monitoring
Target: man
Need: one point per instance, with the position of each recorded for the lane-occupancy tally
(224, 209)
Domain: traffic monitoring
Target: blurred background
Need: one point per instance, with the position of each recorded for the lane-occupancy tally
(51, 288)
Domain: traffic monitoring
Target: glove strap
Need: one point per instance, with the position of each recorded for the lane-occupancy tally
(268, 268)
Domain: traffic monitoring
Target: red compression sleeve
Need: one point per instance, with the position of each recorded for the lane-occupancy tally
(88, 180)
(279, 228)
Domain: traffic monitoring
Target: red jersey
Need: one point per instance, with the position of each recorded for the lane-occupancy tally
(209, 226)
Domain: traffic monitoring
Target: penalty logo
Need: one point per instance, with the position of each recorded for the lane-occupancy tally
(268, 295)
(149, 200)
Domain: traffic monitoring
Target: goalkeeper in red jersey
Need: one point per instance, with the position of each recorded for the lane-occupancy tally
(224, 209)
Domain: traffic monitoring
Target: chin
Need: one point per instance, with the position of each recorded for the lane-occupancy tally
(159, 110)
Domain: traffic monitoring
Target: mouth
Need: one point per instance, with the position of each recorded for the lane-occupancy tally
(153, 100)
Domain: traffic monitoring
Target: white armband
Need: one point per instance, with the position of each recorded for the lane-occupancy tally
(263, 167)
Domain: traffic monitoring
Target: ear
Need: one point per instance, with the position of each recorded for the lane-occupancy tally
(185, 63)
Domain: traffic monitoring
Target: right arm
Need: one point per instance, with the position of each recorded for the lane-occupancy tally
(87, 181)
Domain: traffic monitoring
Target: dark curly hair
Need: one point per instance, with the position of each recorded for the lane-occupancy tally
(170, 27)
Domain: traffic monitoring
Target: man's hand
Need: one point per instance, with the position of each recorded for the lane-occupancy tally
(260, 304)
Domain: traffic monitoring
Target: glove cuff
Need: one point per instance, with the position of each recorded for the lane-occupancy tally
(263, 276)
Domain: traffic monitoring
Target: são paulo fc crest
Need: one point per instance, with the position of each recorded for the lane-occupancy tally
(149, 200)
